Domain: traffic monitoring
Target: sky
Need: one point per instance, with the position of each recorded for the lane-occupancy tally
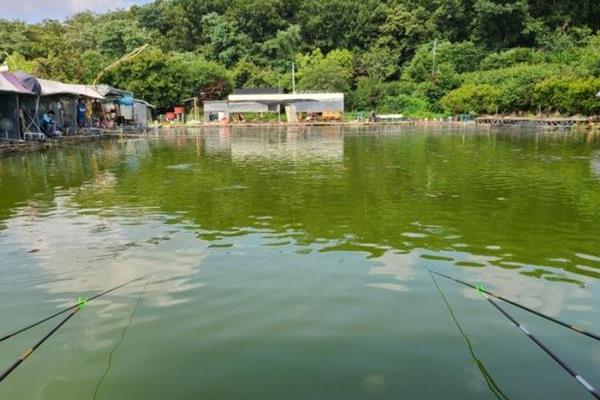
(36, 10)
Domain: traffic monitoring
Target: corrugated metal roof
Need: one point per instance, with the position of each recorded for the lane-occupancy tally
(258, 90)
(286, 98)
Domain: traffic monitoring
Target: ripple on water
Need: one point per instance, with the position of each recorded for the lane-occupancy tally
(180, 167)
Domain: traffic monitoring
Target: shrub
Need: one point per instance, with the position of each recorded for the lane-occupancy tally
(473, 99)
(406, 104)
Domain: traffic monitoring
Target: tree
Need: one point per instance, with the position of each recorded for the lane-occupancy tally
(282, 48)
(166, 79)
(325, 73)
(226, 44)
(331, 24)
(259, 19)
(500, 23)
(120, 37)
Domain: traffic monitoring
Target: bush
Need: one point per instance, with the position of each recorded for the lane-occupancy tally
(569, 95)
(473, 99)
(510, 58)
(516, 83)
(408, 105)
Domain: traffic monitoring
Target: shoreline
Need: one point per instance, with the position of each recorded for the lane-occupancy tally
(7, 148)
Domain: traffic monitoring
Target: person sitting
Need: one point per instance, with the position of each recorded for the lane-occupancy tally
(49, 124)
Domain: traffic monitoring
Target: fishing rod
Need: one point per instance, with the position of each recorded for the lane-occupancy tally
(567, 325)
(66, 310)
(542, 346)
(29, 352)
(489, 380)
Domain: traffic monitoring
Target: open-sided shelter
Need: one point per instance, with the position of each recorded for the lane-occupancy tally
(62, 99)
(13, 101)
(117, 105)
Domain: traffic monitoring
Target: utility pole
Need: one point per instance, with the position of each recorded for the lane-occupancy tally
(434, 54)
(293, 77)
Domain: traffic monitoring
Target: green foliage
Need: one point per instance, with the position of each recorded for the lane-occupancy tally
(457, 57)
(227, 44)
(379, 53)
(327, 73)
(408, 105)
(510, 58)
(515, 84)
(379, 62)
(165, 79)
(282, 48)
(569, 95)
(259, 19)
(590, 55)
(475, 99)
(117, 38)
(500, 24)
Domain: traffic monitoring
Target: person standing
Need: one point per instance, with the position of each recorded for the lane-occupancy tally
(81, 111)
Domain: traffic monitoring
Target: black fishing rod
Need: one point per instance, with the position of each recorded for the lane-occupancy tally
(587, 386)
(572, 327)
(66, 310)
(30, 351)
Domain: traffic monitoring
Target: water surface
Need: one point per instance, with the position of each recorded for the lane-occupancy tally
(293, 263)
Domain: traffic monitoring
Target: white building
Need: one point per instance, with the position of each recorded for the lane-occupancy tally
(313, 105)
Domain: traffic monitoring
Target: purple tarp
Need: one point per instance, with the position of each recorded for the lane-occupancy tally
(10, 83)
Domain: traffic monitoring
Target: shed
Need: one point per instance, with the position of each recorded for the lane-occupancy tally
(259, 101)
(142, 112)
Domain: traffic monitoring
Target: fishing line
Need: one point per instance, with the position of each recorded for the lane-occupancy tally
(580, 379)
(567, 325)
(123, 332)
(66, 310)
(494, 388)
(587, 386)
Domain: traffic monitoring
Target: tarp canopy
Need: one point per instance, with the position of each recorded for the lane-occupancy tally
(29, 82)
(10, 83)
(51, 88)
(106, 90)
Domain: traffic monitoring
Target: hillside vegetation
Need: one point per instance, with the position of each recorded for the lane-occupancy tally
(417, 57)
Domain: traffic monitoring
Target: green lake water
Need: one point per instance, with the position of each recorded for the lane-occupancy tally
(293, 264)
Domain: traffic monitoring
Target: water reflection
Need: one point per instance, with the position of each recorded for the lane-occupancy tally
(595, 165)
(74, 254)
(476, 199)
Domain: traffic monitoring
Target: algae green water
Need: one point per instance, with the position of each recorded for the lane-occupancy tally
(293, 264)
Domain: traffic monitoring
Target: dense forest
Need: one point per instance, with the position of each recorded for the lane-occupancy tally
(417, 57)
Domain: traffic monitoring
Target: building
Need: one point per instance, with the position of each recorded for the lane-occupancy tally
(297, 106)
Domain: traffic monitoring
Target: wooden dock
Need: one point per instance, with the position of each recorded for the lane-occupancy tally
(533, 122)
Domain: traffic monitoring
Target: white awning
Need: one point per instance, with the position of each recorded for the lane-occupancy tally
(50, 88)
